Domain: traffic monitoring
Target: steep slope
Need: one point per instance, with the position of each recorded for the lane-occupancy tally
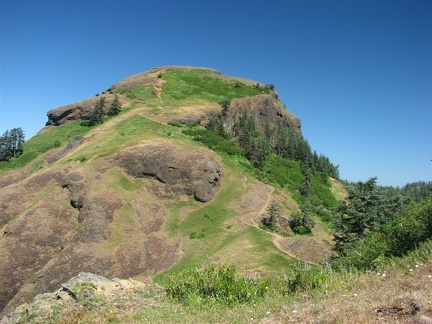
(134, 196)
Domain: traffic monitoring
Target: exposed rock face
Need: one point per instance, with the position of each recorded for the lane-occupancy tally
(76, 111)
(178, 172)
(77, 140)
(265, 111)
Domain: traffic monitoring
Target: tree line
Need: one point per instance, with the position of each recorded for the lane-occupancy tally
(380, 222)
(280, 139)
(11, 144)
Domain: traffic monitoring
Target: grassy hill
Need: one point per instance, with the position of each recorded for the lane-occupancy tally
(183, 176)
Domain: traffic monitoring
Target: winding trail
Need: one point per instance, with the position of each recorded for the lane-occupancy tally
(255, 204)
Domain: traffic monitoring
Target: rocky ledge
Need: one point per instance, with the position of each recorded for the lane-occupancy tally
(85, 291)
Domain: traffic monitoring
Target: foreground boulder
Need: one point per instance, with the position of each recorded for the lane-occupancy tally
(85, 291)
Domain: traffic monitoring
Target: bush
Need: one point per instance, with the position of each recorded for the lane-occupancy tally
(324, 214)
(283, 172)
(213, 141)
(197, 235)
(304, 277)
(302, 222)
(321, 194)
(175, 124)
(404, 233)
(215, 283)
(409, 228)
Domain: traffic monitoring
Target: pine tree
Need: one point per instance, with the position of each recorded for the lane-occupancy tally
(225, 106)
(11, 144)
(272, 215)
(97, 113)
(115, 106)
(302, 222)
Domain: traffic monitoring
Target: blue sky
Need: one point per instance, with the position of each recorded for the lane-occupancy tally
(357, 73)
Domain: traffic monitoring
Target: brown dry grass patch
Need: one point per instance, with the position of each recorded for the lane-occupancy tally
(390, 296)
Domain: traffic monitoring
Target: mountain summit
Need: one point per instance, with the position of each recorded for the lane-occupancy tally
(138, 194)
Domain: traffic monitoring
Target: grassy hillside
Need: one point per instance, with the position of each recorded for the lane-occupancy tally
(104, 218)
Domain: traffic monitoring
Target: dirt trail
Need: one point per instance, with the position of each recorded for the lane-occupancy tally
(255, 204)
(252, 206)
(158, 87)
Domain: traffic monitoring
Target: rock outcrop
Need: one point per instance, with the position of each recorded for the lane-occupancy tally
(266, 110)
(76, 111)
(86, 290)
(178, 172)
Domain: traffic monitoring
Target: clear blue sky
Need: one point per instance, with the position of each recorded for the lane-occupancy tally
(357, 73)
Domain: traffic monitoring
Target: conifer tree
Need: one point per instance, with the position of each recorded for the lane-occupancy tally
(272, 215)
(115, 106)
(11, 144)
(97, 113)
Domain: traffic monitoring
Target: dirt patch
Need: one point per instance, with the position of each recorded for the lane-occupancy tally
(307, 248)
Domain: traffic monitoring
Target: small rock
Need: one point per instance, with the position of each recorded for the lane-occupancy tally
(63, 295)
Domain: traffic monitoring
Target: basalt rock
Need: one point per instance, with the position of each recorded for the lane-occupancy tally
(178, 172)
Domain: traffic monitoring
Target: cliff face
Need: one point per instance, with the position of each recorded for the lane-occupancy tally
(123, 200)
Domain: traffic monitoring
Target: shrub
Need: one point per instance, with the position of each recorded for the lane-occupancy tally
(304, 277)
(283, 172)
(213, 141)
(197, 235)
(324, 214)
(302, 222)
(409, 228)
(175, 124)
(215, 283)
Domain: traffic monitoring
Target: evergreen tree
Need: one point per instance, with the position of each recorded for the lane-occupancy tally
(225, 106)
(11, 144)
(270, 221)
(367, 210)
(115, 106)
(302, 222)
(97, 113)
